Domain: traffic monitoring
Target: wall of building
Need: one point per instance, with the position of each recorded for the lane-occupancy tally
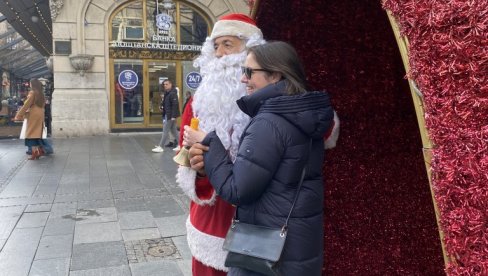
(81, 103)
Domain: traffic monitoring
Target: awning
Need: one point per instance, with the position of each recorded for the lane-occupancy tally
(31, 19)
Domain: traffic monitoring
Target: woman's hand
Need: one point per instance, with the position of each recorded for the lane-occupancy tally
(195, 154)
(18, 118)
(191, 136)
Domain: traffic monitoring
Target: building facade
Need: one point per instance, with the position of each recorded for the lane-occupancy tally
(110, 57)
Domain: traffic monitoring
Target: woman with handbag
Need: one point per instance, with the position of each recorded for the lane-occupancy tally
(33, 112)
(276, 180)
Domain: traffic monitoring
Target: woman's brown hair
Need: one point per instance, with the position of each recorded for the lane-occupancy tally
(281, 57)
(36, 87)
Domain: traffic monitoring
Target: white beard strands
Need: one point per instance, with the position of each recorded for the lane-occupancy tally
(214, 103)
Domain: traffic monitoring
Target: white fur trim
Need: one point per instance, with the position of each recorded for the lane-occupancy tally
(330, 142)
(185, 177)
(205, 248)
(237, 28)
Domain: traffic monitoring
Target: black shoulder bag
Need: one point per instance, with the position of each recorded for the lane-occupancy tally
(258, 248)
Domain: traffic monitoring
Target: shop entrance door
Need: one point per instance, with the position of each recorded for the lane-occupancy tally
(158, 71)
(137, 92)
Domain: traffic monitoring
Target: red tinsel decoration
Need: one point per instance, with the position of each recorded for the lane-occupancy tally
(378, 212)
(449, 61)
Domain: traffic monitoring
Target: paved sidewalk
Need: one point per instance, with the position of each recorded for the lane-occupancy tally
(102, 205)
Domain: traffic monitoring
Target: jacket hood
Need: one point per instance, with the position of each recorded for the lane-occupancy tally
(310, 112)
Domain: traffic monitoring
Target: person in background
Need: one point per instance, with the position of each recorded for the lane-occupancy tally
(170, 111)
(33, 111)
(187, 99)
(285, 135)
(213, 103)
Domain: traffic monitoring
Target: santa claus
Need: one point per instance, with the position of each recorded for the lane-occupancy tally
(214, 104)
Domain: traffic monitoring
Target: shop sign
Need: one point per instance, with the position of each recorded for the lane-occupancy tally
(128, 79)
(193, 80)
(163, 22)
(156, 46)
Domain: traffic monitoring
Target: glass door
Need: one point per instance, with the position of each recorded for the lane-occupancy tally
(128, 96)
(159, 71)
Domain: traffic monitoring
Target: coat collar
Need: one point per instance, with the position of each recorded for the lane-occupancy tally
(251, 104)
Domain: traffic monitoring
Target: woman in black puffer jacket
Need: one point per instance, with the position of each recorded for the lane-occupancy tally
(273, 151)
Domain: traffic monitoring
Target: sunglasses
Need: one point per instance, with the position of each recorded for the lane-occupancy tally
(248, 71)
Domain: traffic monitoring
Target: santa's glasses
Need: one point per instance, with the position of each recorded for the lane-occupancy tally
(247, 71)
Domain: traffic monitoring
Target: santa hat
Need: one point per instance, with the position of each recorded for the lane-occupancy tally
(235, 24)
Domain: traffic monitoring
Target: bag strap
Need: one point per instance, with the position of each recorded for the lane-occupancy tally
(285, 227)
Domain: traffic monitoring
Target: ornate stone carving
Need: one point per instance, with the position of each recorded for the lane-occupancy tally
(81, 62)
(55, 6)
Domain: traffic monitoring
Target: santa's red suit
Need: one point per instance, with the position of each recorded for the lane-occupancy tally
(209, 218)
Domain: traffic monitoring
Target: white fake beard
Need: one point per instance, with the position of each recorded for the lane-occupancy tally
(214, 102)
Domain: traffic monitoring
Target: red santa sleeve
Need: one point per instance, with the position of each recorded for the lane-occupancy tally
(198, 189)
(186, 118)
(331, 137)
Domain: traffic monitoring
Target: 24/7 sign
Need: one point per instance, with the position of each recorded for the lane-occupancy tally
(193, 80)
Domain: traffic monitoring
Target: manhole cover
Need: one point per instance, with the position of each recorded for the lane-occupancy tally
(161, 250)
(151, 250)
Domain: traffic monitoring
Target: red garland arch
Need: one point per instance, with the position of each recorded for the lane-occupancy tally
(449, 58)
(379, 218)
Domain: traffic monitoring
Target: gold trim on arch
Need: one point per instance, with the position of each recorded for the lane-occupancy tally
(427, 145)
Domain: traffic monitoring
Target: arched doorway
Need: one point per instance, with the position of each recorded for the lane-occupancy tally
(151, 41)
(379, 217)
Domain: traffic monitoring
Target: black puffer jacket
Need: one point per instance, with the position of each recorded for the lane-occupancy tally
(170, 104)
(264, 178)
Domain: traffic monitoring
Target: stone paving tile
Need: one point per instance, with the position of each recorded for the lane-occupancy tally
(130, 205)
(25, 187)
(141, 193)
(140, 234)
(17, 254)
(124, 181)
(163, 207)
(136, 220)
(8, 219)
(32, 220)
(82, 196)
(2, 242)
(172, 226)
(96, 190)
(182, 244)
(59, 226)
(90, 204)
(34, 208)
(97, 255)
(7, 226)
(123, 270)
(17, 201)
(51, 267)
(185, 267)
(97, 232)
(53, 247)
(59, 210)
(149, 180)
(156, 268)
(96, 215)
